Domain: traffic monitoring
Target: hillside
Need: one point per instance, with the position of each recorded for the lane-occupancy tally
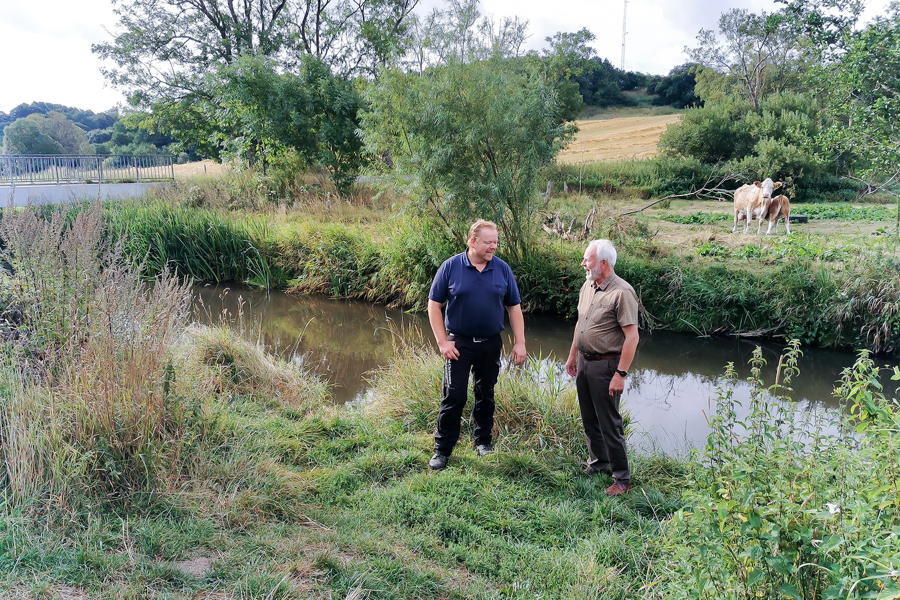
(602, 139)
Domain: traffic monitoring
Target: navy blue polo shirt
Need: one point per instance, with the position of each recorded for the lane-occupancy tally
(475, 300)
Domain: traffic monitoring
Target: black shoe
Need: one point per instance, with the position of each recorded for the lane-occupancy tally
(484, 449)
(438, 462)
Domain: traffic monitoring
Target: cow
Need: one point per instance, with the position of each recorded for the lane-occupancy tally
(752, 202)
(780, 206)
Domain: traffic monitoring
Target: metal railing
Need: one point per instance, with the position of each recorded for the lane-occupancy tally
(27, 169)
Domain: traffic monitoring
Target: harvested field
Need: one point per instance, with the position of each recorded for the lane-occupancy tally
(199, 168)
(616, 139)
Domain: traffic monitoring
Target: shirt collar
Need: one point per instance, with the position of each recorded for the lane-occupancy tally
(602, 287)
(468, 263)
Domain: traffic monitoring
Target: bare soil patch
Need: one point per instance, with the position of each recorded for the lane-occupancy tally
(616, 139)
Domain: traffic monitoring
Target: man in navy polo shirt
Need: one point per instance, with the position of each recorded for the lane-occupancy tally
(476, 287)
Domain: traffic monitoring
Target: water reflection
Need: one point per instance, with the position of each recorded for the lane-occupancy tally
(668, 393)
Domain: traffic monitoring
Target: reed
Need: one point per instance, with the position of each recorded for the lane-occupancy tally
(206, 245)
(89, 363)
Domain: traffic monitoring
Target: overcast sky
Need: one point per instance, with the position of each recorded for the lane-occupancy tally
(46, 44)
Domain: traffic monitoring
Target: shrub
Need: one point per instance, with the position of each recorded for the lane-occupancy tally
(783, 506)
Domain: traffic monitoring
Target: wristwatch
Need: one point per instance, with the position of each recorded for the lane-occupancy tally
(622, 373)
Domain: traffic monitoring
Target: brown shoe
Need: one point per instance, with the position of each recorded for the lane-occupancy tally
(617, 489)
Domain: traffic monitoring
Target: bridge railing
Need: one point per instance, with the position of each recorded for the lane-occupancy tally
(28, 169)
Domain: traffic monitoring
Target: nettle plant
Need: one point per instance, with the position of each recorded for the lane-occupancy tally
(783, 504)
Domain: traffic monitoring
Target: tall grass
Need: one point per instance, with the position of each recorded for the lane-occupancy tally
(781, 505)
(87, 372)
(206, 245)
(536, 406)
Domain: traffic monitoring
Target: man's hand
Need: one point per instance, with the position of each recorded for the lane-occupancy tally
(448, 349)
(572, 365)
(518, 353)
(617, 385)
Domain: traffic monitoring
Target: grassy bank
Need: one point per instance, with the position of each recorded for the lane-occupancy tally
(144, 457)
(828, 289)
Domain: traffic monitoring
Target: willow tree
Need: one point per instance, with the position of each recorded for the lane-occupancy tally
(468, 141)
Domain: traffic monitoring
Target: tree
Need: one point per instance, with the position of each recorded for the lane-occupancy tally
(858, 76)
(759, 52)
(24, 136)
(52, 133)
(67, 134)
(258, 114)
(677, 88)
(461, 33)
(468, 141)
(165, 48)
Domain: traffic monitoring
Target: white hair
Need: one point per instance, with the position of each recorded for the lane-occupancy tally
(604, 250)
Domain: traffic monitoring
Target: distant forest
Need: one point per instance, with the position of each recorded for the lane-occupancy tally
(48, 128)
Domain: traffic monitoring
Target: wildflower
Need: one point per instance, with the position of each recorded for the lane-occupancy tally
(834, 509)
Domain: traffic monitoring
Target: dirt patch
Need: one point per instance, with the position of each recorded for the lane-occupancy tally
(196, 566)
(616, 139)
(199, 169)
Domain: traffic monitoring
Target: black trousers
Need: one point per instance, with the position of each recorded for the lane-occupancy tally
(603, 427)
(482, 360)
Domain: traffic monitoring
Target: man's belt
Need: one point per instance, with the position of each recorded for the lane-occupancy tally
(591, 356)
(455, 336)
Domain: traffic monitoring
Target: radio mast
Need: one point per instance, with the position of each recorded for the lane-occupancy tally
(624, 31)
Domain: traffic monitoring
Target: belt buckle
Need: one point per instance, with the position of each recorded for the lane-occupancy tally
(478, 340)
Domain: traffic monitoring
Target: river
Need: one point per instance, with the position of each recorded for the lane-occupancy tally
(668, 393)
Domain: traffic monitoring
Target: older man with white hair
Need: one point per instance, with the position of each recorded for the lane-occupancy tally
(606, 338)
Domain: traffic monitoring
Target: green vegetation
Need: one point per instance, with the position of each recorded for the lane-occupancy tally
(787, 506)
(515, 127)
(808, 288)
(145, 457)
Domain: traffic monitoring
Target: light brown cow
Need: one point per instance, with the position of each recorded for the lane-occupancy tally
(780, 206)
(752, 202)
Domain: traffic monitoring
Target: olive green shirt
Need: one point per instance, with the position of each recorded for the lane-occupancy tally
(603, 310)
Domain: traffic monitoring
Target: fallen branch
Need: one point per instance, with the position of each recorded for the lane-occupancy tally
(717, 192)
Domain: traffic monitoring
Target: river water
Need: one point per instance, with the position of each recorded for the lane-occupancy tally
(668, 392)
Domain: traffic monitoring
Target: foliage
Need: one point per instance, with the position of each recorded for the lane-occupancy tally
(26, 137)
(677, 88)
(163, 52)
(697, 218)
(251, 112)
(773, 142)
(460, 33)
(87, 120)
(783, 506)
(861, 88)
(468, 141)
(759, 55)
(712, 133)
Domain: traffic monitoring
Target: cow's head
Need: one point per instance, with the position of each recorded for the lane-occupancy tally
(768, 186)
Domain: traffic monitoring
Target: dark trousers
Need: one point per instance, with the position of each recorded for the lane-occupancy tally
(603, 427)
(482, 359)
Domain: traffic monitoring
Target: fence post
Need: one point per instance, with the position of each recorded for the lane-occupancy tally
(99, 169)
